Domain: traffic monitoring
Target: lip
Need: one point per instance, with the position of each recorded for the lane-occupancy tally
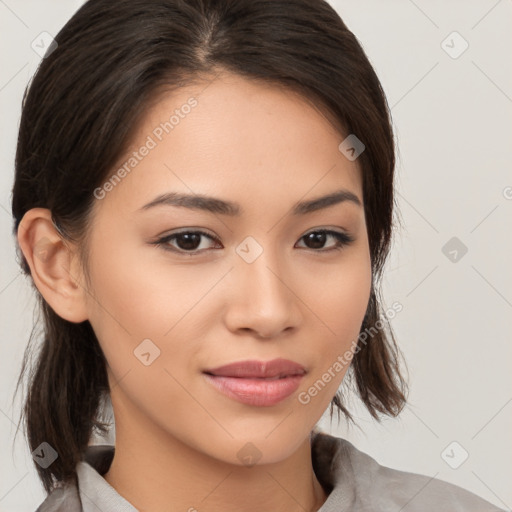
(259, 369)
(258, 383)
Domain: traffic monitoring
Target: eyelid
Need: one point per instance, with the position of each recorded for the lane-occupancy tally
(180, 231)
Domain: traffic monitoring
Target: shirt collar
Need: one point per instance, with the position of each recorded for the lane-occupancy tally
(95, 492)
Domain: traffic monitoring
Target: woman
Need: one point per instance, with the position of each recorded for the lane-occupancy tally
(259, 131)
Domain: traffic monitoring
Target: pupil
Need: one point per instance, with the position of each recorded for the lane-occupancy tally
(317, 237)
(189, 242)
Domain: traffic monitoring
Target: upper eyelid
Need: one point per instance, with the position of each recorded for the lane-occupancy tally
(202, 232)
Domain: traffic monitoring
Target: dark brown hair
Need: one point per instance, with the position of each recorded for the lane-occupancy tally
(111, 60)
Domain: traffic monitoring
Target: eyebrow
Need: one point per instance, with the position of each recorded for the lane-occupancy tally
(222, 207)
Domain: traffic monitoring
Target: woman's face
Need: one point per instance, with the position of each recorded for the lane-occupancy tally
(255, 286)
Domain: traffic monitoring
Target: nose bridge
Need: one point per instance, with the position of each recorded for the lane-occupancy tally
(263, 300)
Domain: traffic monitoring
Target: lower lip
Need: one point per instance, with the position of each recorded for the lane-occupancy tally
(259, 392)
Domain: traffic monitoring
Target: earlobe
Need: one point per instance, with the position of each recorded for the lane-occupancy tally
(53, 265)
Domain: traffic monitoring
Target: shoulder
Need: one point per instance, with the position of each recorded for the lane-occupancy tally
(62, 499)
(360, 483)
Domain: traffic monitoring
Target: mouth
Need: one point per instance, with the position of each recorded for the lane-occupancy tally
(257, 383)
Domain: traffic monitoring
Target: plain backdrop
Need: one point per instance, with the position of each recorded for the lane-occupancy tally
(451, 101)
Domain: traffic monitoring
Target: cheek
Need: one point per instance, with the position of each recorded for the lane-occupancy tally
(140, 298)
(144, 313)
(340, 303)
(146, 323)
(342, 294)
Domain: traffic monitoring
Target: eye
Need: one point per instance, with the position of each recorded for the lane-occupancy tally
(318, 238)
(186, 241)
(189, 242)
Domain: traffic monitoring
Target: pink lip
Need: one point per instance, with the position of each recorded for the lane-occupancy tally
(260, 392)
(252, 383)
(259, 369)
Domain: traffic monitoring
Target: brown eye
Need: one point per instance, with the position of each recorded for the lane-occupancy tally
(185, 242)
(317, 239)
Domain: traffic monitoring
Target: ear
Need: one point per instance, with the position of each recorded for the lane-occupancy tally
(53, 265)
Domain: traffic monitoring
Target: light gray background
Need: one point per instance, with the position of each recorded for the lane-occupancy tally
(453, 119)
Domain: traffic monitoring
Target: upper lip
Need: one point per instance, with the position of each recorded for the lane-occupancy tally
(259, 369)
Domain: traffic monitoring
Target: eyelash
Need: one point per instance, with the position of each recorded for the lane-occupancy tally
(344, 239)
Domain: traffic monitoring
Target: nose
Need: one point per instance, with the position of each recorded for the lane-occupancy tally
(262, 298)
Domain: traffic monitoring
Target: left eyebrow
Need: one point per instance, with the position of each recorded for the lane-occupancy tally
(222, 207)
(325, 201)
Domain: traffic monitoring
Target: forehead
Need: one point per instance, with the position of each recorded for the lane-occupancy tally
(235, 138)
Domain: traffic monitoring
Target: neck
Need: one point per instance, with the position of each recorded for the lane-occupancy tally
(154, 471)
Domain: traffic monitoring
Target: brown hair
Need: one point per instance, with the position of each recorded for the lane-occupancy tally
(111, 59)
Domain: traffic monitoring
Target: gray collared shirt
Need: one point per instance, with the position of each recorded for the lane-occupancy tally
(353, 480)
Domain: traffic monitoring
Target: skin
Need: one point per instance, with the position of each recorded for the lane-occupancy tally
(265, 149)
